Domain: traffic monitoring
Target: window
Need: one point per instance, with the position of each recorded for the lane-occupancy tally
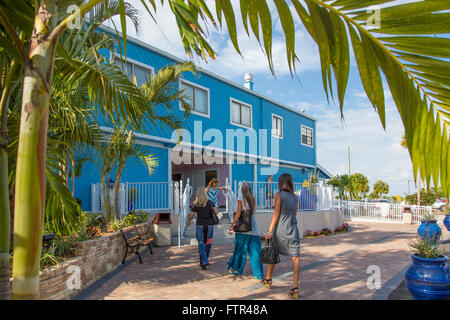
(198, 97)
(307, 136)
(277, 126)
(241, 114)
(135, 72)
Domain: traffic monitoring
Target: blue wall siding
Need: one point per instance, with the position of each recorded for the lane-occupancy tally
(134, 171)
(290, 147)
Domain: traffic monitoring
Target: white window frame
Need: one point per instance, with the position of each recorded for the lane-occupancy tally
(195, 85)
(133, 62)
(243, 104)
(273, 129)
(312, 136)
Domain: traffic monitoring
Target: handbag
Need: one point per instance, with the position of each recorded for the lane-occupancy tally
(214, 217)
(244, 224)
(268, 254)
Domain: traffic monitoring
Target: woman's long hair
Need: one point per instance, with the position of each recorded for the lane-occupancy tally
(246, 190)
(285, 183)
(200, 197)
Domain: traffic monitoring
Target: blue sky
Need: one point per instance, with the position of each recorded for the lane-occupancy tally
(375, 152)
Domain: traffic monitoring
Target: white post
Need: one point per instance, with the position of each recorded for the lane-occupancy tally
(122, 198)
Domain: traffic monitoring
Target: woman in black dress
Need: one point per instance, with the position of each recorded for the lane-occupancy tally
(205, 226)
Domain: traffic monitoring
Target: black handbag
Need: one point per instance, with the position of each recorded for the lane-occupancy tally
(268, 254)
(244, 224)
(214, 217)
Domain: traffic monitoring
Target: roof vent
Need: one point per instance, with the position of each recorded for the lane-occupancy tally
(248, 81)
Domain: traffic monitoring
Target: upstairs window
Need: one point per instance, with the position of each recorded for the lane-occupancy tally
(136, 73)
(307, 136)
(277, 126)
(241, 114)
(198, 97)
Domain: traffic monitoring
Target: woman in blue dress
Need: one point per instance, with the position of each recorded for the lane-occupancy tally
(246, 243)
(212, 190)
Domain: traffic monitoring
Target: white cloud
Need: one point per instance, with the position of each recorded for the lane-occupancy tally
(374, 152)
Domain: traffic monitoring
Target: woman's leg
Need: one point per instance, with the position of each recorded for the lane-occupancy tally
(208, 239)
(296, 267)
(254, 252)
(201, 245)
(270, 268)
(239, 257)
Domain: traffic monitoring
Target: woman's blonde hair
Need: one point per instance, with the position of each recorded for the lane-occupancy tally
(200, 197)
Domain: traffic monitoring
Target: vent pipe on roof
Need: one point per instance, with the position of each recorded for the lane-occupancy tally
(248, 81)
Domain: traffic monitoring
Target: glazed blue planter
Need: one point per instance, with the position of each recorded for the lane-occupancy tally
(447, 222)
(429, 230)
(428, 279)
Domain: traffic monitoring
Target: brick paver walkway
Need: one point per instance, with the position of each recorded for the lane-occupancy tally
(331, 268)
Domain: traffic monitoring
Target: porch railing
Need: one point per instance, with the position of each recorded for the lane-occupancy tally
(380, 211)
(312, 197)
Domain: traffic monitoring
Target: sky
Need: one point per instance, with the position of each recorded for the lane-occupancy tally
(374, 151)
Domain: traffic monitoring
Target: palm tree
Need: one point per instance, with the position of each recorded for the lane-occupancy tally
(379, 188)
(360, 185)
(406, 51)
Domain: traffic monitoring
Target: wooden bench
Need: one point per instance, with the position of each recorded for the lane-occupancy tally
(134, 241)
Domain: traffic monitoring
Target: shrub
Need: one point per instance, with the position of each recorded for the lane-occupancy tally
(425, 248)
(58, 249)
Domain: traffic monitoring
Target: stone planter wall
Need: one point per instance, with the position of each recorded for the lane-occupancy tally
(93, 259)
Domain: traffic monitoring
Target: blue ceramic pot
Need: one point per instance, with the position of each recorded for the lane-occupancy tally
(447, 222)
(428, 279)
(429, 230)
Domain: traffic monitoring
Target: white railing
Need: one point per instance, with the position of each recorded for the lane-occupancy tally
(231, 200)
(96, 197)
(184, 209)
(381, 211)
(147, 196)
(312, 197)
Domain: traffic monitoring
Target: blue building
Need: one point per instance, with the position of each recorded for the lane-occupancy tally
(246, 135)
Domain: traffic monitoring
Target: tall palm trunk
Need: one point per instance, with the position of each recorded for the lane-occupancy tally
(5, 214)
(30, 175)
(117, 183)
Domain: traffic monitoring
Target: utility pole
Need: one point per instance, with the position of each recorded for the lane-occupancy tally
(409, 190)
(349, 171)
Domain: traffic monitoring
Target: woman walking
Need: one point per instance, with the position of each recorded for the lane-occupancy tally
(246, 242)
(212, 190)
(284, 232)
(205, 228)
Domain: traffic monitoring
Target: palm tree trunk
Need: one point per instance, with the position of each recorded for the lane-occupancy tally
(5, 214)
(72, 164)
(30, 175)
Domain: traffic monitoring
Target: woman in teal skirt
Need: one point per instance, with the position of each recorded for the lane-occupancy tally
(246, 243)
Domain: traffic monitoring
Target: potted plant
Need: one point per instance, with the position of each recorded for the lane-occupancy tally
(447, 217)
(428, 278)
(429, 229)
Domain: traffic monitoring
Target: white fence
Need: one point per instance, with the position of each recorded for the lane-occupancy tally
(147, 196)
(381, 211)
(314, 197)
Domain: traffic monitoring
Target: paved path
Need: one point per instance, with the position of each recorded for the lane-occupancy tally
(331, 268)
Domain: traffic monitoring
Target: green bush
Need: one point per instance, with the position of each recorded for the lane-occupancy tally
(426, 249)
(117, 224)
(58, 249)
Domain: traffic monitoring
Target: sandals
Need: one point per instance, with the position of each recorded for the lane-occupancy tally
(267, 283)
(293, 293)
